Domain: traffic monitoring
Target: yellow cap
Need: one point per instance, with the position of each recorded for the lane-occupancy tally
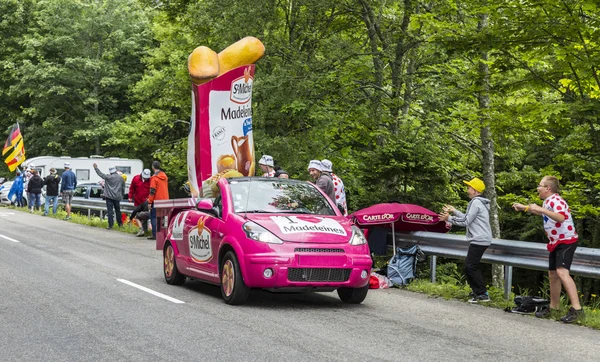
(476, 184)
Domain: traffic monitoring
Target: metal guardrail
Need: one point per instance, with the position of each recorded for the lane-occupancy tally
(510, 253)
(99, 205)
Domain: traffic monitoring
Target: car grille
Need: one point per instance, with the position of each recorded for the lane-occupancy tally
(318, 250)
(318, 274)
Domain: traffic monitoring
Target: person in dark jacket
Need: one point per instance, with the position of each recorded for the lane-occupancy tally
(141, 215)
(51, 181)
(114, 188)
(34, 188)
(322, 180)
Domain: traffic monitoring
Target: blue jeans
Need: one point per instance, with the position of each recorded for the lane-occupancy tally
(35, 200)
(153, 220)
(54, 200)
(116, 204)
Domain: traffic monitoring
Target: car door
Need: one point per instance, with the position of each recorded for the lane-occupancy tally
(202, 237)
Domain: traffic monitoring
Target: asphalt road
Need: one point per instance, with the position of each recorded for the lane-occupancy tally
(66, 294)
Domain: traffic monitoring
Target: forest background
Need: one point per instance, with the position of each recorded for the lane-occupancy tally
(406, 97)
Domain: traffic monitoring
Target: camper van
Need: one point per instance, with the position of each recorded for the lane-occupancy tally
(81, 166)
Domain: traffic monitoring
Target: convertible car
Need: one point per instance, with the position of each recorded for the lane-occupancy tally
(274, 234)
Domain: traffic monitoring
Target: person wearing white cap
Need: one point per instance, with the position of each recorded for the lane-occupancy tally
(114, 188)
(322, 180)
(138, 193)
(68, 183)
(338, 187)
(266, 165)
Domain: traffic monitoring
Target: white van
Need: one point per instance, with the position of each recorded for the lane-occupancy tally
(82, 166)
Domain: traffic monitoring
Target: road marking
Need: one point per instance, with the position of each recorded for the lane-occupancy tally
(4, 214)
(11, 239)
(153, 292)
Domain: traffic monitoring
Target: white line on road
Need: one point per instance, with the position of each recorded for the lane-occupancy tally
(11, 239)
(153, 292)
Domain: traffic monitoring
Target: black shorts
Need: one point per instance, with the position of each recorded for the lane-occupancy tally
(562, 256)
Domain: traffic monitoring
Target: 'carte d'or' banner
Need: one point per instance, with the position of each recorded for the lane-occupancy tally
(220, 140)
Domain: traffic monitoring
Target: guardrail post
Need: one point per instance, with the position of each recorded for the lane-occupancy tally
(508, 271)
(89, 214)
(101, 217)
(432, 266)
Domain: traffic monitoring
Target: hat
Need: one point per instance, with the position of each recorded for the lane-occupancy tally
(112, 169)
(266, 160)
(327, 165)
(146, 174)
(476, 184)
(52, 170)
(316, 164)
(67, 165)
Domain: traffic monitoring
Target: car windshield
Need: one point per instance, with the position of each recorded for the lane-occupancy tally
(278, 196)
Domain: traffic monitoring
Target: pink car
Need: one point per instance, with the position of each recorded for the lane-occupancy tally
(267, 233)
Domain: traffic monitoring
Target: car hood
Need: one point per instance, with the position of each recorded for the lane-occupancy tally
(306, 228)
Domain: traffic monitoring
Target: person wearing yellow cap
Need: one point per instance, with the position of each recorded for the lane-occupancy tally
(479, 235)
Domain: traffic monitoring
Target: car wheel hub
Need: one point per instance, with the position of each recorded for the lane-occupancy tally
(169, 262)
(227, 278)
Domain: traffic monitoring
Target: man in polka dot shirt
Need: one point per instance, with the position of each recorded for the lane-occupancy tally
(562, 242)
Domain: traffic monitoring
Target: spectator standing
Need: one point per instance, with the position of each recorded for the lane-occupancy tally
(140, 215)
(338, 187)
(266, 165)
(280, 172)
(159, 190)
(34, 189)
(140, 188)
(479, 235)
(322, 180)
(67, 186)
(114, 188)
(16, 189)
(51, 181)
(562, 243)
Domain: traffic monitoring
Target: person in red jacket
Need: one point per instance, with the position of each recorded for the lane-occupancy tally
(139, 188)
(159, 190)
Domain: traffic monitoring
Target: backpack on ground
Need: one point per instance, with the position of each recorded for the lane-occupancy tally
(528, 305)
(402, 267)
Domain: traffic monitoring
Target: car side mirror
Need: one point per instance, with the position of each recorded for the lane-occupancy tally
(207, 206)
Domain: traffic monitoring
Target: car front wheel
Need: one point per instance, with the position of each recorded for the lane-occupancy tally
(353, 295)
(233, 289)
(172, 275)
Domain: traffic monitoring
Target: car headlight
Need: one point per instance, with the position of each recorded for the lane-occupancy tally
(357, 238)
(256, 232)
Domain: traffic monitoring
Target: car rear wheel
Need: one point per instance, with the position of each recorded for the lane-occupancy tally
(353, 295)
(172, 275)
(233, 289)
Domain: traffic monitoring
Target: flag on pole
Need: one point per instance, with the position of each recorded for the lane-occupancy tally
(13, 138)
(14, 145)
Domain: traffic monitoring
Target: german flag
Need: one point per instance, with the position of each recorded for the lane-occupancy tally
(13, 139)
(15, 144)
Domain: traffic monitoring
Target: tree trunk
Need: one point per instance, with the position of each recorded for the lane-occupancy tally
(487, 147)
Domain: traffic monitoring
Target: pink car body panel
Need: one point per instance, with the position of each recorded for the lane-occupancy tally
(315, 253)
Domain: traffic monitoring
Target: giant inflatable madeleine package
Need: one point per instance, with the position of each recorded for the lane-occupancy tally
(220, 142)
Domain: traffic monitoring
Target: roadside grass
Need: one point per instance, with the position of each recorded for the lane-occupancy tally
(93, 221)
(461, 292)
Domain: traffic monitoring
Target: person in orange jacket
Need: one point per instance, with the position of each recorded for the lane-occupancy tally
(159, 190)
